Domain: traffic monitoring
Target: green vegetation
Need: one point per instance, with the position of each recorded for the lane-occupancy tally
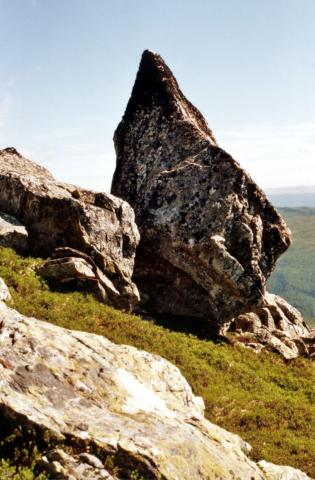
(294, 277)
(20, 449)
(268, 401)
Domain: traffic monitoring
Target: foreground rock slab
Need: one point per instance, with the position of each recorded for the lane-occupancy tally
(56, 215)
(277, 472)
(115, 399)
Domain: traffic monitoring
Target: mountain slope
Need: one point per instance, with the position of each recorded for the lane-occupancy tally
(294, 277)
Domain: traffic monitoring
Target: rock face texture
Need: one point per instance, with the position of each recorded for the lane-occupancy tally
(276, 472)
(209, 236)
(98, 225)
(114, 400)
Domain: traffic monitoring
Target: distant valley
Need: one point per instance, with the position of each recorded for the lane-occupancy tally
(294, 277)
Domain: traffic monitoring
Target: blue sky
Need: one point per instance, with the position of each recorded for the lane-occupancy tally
(68, 66)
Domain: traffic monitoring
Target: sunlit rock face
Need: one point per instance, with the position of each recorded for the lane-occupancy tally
(56, 215)
(116, 401)
(209, 236)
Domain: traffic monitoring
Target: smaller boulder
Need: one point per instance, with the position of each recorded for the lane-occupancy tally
(57, 215)
(12, 233)
(65, 270)
(275, 325)
(77, 270)
(60, 464)
(73, 273)
(280, 472)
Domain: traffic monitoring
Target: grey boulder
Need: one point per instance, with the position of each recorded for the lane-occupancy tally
(60, 215)
(275, 325)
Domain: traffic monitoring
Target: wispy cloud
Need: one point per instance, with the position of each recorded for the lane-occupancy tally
(82, 154)
(275, 155)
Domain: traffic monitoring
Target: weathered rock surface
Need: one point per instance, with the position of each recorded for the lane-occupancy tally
(116, 400)
(12, 233)
(61, 215)
(66, 269)
(209, 236)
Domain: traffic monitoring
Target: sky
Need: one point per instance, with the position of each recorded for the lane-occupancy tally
(68, 67)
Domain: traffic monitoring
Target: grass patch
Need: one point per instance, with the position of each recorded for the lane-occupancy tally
(268, 401)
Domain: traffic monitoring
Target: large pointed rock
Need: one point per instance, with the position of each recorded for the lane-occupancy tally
(209, 236)
(56, 215)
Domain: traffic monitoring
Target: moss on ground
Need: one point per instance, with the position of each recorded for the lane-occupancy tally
(270, 402)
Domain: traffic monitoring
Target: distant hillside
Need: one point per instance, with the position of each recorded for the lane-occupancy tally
(292, 196)
(294, 277)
